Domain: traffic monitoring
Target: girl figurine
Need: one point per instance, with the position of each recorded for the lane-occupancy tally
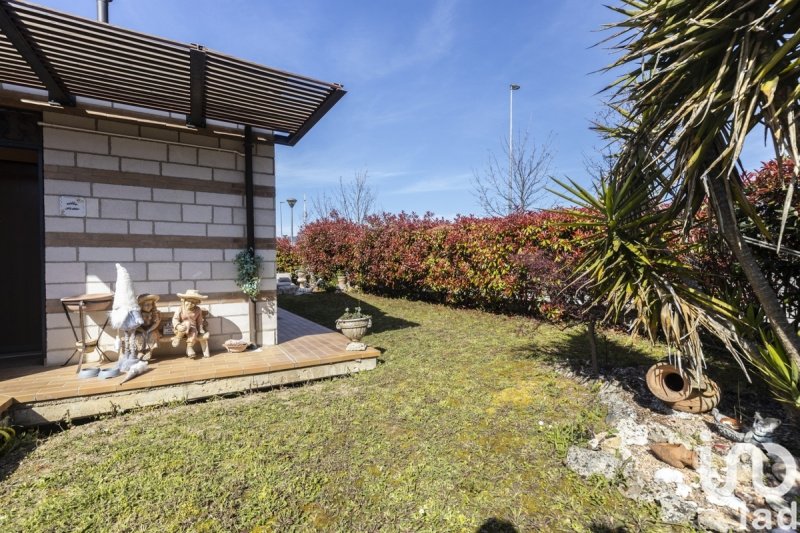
(147, 335)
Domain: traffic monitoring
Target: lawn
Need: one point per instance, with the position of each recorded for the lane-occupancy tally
(465, 422)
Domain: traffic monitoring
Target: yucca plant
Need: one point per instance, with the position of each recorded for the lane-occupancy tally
(699, 77)
(632, 265)
(770, 359)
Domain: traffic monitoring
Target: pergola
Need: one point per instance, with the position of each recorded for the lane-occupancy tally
(72, 58)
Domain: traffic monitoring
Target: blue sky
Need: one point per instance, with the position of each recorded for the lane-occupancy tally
(427, 83)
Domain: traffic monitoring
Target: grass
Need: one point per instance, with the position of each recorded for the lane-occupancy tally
(463, 423)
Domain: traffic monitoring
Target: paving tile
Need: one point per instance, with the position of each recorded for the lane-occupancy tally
(229, 372)
(157, 381)
(94, 389)
(278, 365)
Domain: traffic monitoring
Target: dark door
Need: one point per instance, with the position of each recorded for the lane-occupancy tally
(21, 250)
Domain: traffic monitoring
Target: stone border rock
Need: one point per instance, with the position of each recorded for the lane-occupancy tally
(623, 454)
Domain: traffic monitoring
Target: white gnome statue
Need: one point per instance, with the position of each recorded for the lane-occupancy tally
(126, 316)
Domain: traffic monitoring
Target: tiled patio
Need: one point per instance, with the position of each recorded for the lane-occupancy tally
(305, 351)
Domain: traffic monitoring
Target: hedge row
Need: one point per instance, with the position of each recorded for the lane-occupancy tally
(521, 263)
(287, 259)
(513, 264)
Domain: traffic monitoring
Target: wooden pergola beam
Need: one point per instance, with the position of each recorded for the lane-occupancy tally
(20, 39)
(315, 117)
(71, 56)
(197, 87)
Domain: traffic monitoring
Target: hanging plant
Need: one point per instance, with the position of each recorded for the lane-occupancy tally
(248, 272)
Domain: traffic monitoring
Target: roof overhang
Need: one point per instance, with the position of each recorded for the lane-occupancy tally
(69, 57)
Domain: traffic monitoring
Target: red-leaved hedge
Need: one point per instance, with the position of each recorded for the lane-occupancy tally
(287, 258)
(513, 264)
(519, 263)
(766, 189)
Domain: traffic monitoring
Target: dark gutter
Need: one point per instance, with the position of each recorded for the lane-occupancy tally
(249, 189)
(250, 221)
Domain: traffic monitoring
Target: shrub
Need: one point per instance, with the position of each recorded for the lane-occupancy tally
(287, 259)
(766, 191)
(328, 246)
(488, 263)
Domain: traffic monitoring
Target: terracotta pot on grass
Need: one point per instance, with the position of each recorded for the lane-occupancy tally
(667, 383)
(673, 388)
(700, 401)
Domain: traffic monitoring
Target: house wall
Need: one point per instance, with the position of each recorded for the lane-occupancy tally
(166, 203)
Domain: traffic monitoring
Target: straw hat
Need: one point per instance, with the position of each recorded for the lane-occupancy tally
(192, 294)
(147, 297)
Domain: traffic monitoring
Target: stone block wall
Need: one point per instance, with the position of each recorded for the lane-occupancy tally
(166, 203)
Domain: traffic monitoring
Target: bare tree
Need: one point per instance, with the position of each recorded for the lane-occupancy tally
(501, 191)
(353, 200)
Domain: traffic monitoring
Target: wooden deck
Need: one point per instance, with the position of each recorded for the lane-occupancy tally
(305, 351)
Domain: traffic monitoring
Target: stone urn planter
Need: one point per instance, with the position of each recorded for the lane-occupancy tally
(354, 326)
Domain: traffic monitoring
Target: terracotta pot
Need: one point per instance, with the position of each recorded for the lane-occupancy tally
(235, 345)
(699, 401)
(667, 384)
(676, 455)
(354, 328)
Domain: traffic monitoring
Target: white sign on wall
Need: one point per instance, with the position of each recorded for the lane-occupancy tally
(72, 206)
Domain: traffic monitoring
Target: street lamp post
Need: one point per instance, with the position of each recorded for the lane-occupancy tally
(511, 88)
(291, 202)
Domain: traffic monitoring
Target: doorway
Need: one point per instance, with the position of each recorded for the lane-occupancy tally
(21, 239)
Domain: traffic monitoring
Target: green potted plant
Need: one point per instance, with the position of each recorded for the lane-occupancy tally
(354, 326)
(248, 273)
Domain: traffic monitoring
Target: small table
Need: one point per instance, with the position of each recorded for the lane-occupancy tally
(84, 303)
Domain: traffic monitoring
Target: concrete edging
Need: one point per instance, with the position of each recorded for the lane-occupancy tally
(36, 413)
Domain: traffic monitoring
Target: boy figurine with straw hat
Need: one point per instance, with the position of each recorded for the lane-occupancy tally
(187, 322)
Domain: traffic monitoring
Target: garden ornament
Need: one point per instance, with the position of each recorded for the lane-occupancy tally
(354, 326)
(676, 389)
(136, 370)
(187, 322)
(125, 317)
(676, 455)
(732, 423)
(147, 335)
(760, 432)
(667, 383)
